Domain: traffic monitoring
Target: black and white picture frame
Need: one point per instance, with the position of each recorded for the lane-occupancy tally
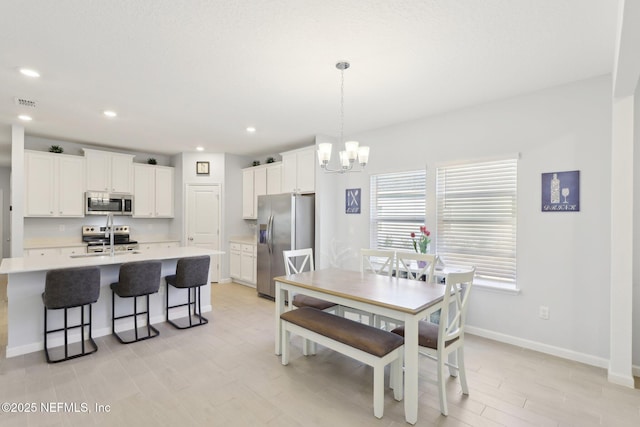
(202, 168)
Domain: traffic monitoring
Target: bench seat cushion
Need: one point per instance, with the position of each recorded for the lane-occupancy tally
(358, 335)
(300, 300)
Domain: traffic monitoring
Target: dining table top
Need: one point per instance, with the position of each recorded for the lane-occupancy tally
(400, 294)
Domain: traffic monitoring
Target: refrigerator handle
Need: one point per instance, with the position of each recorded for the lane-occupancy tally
(270, 233)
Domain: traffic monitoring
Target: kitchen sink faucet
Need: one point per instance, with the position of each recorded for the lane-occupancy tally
(109, 231)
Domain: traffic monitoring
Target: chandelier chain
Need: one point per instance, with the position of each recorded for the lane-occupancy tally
(342, 105)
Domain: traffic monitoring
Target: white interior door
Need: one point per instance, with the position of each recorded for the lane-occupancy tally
(203, 221)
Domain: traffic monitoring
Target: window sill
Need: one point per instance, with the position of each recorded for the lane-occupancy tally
(487, 285)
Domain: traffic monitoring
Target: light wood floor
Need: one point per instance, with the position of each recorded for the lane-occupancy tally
(225, 374)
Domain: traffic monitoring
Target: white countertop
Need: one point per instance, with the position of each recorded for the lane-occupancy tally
(51, 262)
(247, 240)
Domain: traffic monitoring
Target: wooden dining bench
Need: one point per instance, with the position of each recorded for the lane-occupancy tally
(375, 347)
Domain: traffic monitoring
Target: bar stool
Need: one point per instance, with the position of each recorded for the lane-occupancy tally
(71, 288)
(136, 279)
(191, 273)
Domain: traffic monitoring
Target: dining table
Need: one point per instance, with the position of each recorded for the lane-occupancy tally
(398, 298)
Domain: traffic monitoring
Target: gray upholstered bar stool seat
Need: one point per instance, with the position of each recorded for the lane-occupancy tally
(191, 273)
(71, 288)
(136, 279)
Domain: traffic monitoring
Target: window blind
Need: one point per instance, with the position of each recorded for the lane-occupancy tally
(476, 218)
(397, 209)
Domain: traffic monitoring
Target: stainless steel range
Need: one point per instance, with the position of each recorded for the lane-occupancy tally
(98, 239)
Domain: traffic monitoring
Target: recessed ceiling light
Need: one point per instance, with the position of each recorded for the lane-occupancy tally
(25, 118)
(29, 72)
(200, 148)
(110, 113)
(251, 129)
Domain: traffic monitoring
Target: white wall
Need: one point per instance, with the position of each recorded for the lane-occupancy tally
(5, 185)
(563, 258)
(636, 233)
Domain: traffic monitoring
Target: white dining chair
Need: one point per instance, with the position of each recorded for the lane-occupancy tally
(415, 266)
(297, 261)
(437, 342)
(375, 261)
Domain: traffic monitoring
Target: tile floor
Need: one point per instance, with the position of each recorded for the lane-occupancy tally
(225, 374)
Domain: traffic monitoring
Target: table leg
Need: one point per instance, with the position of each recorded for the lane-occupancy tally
(411, 370)
(280, 298)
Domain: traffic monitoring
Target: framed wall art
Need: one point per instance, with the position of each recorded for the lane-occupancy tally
(202, 168)
(561, 191)
(352, 201)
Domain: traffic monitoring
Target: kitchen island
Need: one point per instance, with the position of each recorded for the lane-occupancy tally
(26, 279)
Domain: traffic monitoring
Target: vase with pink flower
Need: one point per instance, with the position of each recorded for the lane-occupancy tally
(421, 243)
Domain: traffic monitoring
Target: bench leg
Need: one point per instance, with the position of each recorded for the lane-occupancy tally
(308, 347)
(286, 335)
(395, 377)
(378, 390)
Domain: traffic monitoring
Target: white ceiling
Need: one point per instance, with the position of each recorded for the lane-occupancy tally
(182, 73)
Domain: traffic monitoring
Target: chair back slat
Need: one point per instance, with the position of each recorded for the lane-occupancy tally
(377, 261)
(298, 260)
(409, 264)
(454, 305)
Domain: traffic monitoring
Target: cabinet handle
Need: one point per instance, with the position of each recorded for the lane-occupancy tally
(51, 212)
(190, 238)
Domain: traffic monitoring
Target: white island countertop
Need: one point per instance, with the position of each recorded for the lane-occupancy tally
(30, 264)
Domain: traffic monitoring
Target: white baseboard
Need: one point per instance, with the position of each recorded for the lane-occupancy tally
(542, 348)
(564, 353)
(225, 280)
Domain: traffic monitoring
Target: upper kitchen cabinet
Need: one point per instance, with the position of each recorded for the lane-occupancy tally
(298, 171)
(153, 191)
(258, 181)
(54, 185)
(107, 171)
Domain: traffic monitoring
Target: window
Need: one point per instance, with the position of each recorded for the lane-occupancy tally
(397, 209)
(476, 219)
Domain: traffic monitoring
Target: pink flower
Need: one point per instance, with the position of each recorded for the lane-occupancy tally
(421, 244)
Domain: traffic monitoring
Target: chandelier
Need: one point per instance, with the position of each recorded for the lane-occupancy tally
(352, 149)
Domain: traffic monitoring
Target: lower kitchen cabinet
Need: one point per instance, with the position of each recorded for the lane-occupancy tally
(67, 250)
(242, 262)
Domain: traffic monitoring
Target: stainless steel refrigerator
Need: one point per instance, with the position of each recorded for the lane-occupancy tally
(285, 222)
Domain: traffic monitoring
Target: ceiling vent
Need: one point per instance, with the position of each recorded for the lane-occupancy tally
(24, 102)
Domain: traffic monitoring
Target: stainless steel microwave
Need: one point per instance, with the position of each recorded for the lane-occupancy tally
(97, 203)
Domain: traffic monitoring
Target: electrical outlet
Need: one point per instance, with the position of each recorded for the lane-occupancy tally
(543, 312)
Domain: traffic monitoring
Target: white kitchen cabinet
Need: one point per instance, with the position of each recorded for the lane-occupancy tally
(298, 170)
(248, 209)
(158, 245)
(153, 191)
(242, 262)
(235, 255)
(73, 250)
(274, 178)
(42, 252)
(258, 181)
(67, 250)
(54, 185)
(107, 171)
(248, 264)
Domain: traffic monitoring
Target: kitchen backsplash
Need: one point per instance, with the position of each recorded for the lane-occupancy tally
(70, 229)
